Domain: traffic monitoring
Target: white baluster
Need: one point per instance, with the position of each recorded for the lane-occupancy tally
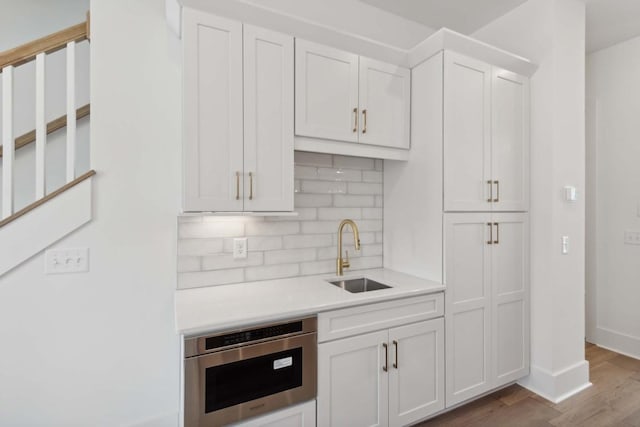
(41, 125)
(71, 111)
(8, 143)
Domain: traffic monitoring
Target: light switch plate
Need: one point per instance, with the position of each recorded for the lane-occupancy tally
(570, 193)
(565, 245)
(631, 237)
(61, 261)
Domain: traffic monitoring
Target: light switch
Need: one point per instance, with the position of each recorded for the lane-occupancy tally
(631, 237)
(565, 245)
(240, 248)
(570, 193)
(61, 261)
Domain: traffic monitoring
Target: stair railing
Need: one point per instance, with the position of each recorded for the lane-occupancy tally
(37, 50)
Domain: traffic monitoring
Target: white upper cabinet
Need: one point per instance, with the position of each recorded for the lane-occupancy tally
(384, 104)
(268, 120)
(213, 153)
(344, 97)
(238, 116)
(486, 143)
(326, 92)
(510, 141)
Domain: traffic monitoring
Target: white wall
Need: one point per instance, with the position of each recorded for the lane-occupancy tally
(613, 85)
(100, 348)
(552, 34)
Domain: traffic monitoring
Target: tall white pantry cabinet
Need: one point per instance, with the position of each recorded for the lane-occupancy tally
(466, 192)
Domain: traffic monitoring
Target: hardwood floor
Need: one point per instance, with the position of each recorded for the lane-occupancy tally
(613, 400)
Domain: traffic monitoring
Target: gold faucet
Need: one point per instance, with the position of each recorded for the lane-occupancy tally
(341, 264)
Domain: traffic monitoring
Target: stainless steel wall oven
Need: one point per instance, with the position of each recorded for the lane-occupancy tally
(239, 374)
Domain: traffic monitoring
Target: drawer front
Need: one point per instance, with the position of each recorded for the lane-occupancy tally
(373, 317)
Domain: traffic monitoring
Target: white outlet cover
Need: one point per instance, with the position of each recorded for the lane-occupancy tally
(240, 248)
(62, 261)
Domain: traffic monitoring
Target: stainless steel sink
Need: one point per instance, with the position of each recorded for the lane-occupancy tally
(361, 284)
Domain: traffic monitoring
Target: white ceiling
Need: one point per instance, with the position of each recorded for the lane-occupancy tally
(608, 21)
(464, 16)
(611, 21)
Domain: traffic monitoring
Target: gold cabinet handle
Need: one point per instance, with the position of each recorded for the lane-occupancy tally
(237, 185)
(250, 185)
(490, 241)
(490, 199)
(355, 120)
(386, 357)
(497, 183)
(497, 241)
(395, 345)
(364, 117)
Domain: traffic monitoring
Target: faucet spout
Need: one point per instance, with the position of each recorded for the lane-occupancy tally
(341, 263)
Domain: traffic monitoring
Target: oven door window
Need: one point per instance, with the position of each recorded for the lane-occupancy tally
(234, 383)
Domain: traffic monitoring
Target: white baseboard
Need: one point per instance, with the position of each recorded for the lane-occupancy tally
(38, 229)
(558, 386)
(617, 341)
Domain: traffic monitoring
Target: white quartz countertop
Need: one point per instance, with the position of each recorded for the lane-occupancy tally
(217, 308)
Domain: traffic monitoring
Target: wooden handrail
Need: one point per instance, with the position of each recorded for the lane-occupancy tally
(46, 198)
(52, 126)
(47, 44)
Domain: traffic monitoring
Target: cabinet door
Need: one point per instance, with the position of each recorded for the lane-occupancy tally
(268, 120)
(326, 92)
(510, 141)
(510, 297)
(212, 110)
(468, 305)
(467, 134)
(352, 385)
(384, 104)
(416, 376)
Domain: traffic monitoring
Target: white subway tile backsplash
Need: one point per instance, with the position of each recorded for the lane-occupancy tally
(365, 188)
(266, 228)
(256, 243)
(312, 200)
(379, 164)
(348, 200)
(313, 159)
(326, 174)
(324, 187)
(200, 247)
(372, 176)
(339, 214)
(209, 230)
(272, 272)
(289, 256)
(307, 241)
(224, 261)
(349, 162)
(328, 189)
(198, 279)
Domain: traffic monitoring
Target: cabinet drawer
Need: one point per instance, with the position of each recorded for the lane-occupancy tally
(367, 318)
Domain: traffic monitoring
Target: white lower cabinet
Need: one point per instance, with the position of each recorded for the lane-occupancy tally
(392, 377)
(302, 415)
(487, 303)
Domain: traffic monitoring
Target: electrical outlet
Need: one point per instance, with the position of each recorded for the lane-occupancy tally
(631, 237)
(61, 261)
(240, 248)
(565, 245)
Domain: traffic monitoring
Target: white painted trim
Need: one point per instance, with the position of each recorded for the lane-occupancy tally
(318, 145)
(560, 385)
(446, 39)
(45, 225)
(41, 125)
(8, 143)
(173, 11)
(619, 342)
(71, 112)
